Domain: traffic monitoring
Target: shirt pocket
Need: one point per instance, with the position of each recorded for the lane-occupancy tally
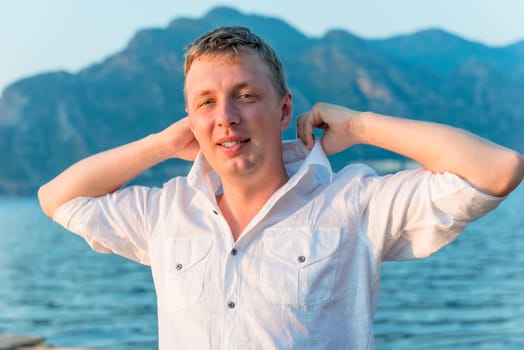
(185, 270)
(300, 265)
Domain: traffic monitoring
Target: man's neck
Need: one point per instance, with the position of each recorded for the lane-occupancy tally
(241, 200)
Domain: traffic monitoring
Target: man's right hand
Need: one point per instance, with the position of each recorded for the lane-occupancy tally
(179, 140)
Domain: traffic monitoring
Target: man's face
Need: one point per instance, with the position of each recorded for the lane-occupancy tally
(235, 114)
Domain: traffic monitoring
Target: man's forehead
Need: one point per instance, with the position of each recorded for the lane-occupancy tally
(226, 59)
(211, 88)
(230, 55)
(209, 73)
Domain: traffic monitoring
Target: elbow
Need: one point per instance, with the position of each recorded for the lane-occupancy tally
(510, 174)
(46, 203)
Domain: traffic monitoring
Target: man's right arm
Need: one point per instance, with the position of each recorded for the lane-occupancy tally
(107, 171)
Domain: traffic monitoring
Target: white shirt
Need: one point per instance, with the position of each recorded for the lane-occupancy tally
(305, 272)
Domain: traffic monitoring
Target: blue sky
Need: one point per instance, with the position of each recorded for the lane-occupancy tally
(44, 35)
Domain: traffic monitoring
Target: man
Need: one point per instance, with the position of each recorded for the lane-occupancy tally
(261, 246)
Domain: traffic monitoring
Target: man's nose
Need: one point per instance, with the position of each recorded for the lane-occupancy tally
(228, 115)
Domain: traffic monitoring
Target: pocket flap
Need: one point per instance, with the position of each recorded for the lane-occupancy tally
(302, 246)
(189, 251)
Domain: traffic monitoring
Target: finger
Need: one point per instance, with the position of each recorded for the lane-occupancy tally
(305, 129)
(308, 133)
(299, 124)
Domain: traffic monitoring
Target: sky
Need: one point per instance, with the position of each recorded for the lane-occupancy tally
(47, 35)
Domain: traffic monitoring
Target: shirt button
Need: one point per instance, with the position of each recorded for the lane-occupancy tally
(178, 267)
(234, 251)
(215, 212)
(301, 259)
(231, 305)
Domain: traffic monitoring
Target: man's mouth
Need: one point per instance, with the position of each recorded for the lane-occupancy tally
(229, 144)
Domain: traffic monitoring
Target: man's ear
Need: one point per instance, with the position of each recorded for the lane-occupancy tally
(287, 111)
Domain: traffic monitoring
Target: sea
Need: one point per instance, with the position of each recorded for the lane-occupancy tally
(469, 295)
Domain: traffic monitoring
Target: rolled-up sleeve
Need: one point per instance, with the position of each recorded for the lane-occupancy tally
(414, 213)
(113, 223)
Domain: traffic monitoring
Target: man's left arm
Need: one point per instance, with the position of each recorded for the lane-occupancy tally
(489, 167)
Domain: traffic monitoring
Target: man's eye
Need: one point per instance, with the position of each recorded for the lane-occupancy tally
(246, 97)
(204, 103)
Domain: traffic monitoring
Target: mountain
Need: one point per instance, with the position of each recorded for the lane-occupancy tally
(50, 120)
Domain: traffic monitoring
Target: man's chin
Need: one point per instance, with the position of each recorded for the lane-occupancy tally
(234, 167)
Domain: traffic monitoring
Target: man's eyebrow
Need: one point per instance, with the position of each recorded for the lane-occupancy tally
(203, 93)
(242, 85)
(248, 83)
(236, 87)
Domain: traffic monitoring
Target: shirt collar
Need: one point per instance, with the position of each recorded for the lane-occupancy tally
(202, 176)
(298, 161)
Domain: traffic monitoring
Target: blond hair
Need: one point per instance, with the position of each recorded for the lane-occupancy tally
(233, 42)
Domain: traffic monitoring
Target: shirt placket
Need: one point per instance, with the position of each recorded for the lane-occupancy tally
(231, 302)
